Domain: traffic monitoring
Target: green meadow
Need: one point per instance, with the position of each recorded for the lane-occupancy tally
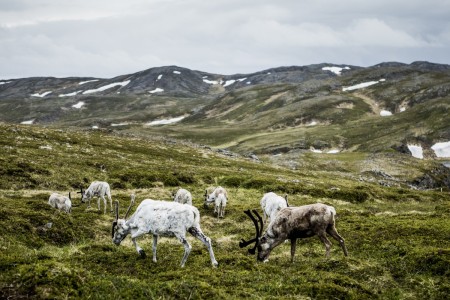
(398, 237)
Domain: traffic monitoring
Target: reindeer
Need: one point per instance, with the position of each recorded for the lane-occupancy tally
(211, 197)
(219, 205)
(60, 202)
(271, 204)
(99, 189)
(294, 223)
(161, 218)
(182, 196)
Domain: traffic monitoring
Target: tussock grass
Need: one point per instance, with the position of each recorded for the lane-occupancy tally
(398, 238)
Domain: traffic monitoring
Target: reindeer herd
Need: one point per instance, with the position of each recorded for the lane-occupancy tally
(175, 218)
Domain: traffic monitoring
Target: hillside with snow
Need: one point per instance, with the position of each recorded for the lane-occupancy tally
(323, 109)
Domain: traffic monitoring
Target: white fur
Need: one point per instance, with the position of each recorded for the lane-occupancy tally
(60, 202)
(210, 198)
(99, 189)
(183, 196)
(271, 204)
(219, 205)
(163, 218)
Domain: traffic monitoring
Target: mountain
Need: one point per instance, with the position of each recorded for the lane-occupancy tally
(324, 107)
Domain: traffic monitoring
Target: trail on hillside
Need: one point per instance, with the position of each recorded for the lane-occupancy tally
(371, 102)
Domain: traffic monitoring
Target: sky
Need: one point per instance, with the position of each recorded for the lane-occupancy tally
(108, 38)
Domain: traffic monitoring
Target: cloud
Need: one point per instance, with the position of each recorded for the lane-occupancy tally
(106, 38)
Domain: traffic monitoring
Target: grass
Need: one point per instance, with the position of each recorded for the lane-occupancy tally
(397, 237)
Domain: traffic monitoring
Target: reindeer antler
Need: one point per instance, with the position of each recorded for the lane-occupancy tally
(129, 207)
(258, 227)
(116, 206)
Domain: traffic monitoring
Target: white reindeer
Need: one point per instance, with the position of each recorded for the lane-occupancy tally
(219, 205)
(161, 218)
(294, 223)
(98, 189)
(211, 197)
(182, 196)
(60, 202)
(271, 204)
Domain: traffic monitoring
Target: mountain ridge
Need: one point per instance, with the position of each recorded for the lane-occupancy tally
(315, 106)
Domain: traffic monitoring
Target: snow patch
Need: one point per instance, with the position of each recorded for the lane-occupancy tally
(78, 105)
(442, 149)
(159, 77)
(157, 90)
(177, 72)
(4, 82)
(70, 94)
(402, 109)
(106, 87)
(416, 151)
(41, 95)
(229, 82)
(120, 124)
(210, 81)
(27, 122)
(361, 85)
(312, 123)
(333, 151)
(165, 121)
(335, 70)
(83, 82)
(316, 150)
(95, 127)
(385, 113)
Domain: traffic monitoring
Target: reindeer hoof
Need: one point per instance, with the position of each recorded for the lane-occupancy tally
(142, 254)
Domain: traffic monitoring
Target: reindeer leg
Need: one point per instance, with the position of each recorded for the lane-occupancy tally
(187, 248)
(155, 242)
(110, 203)
(322, 236)
(333, 232)
(104, 204)
(197, 232)
(138, 248)
(293, 245)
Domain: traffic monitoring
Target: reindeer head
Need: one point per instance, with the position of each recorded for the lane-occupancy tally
(83, 195)
(258, 227)
(205, 204)
(120, 229)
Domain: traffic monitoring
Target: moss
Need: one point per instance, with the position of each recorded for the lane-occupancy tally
(397, 238)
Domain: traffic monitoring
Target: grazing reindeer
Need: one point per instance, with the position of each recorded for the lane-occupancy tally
(99, 189)
(211, 197)
(60, 202)
(294, 223)
(182, 196)
(271, 204)
(161, 218)
(219, 205)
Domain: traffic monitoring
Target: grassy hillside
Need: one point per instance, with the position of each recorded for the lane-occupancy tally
(397, 237)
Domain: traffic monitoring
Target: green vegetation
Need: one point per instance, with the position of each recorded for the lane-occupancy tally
(397, 237)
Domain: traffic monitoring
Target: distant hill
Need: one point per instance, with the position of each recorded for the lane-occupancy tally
(324, 107)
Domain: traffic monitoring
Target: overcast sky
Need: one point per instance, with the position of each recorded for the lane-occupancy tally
(107, 38)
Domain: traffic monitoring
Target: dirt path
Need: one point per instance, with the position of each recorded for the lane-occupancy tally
(371, 102)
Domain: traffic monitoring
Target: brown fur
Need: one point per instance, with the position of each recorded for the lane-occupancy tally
(300, 222)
